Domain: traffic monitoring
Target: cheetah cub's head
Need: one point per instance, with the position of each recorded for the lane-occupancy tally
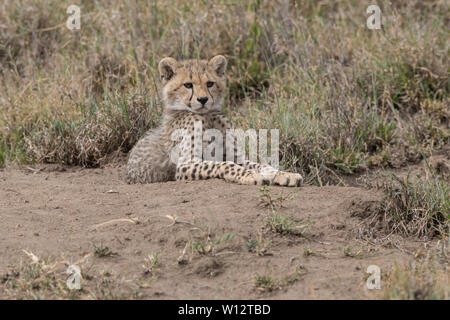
(194, 85)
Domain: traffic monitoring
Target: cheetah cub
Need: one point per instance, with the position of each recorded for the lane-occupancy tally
(192, 94)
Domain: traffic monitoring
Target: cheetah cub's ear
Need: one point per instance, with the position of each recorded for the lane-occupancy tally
(166, 68)
(218, 64)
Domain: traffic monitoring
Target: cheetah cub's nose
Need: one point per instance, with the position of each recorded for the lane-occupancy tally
(202, 100)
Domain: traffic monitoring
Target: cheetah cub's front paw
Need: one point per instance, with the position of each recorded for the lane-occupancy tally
(259, 178)
(288, 179)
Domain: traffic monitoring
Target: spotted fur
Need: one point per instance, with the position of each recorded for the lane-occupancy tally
(192, 94)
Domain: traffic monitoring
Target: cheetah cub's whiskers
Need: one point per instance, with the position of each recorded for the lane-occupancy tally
(192, 92)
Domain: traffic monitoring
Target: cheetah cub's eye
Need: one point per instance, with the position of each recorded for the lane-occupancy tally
(188, 85)
(209, 84)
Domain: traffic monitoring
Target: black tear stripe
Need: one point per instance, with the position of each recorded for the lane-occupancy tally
(210, 94)
(192, 94)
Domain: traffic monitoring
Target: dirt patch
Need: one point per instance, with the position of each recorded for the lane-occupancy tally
(206, 239)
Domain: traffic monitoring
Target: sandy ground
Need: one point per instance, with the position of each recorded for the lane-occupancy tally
(58, 212)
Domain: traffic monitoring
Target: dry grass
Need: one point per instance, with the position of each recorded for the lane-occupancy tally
(417, 206)
(428, 278)
(46, 278)
(269, 283)
(345, 98)
(417, 282)
(106, 128)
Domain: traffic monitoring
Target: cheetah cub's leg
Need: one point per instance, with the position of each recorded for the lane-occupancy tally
(229, 171)
(263, 171)
(232, 172)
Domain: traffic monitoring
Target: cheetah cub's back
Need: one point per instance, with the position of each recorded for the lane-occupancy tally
(192, 94)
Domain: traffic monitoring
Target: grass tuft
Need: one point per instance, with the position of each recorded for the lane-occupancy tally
(414, 206)
(417, 282)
